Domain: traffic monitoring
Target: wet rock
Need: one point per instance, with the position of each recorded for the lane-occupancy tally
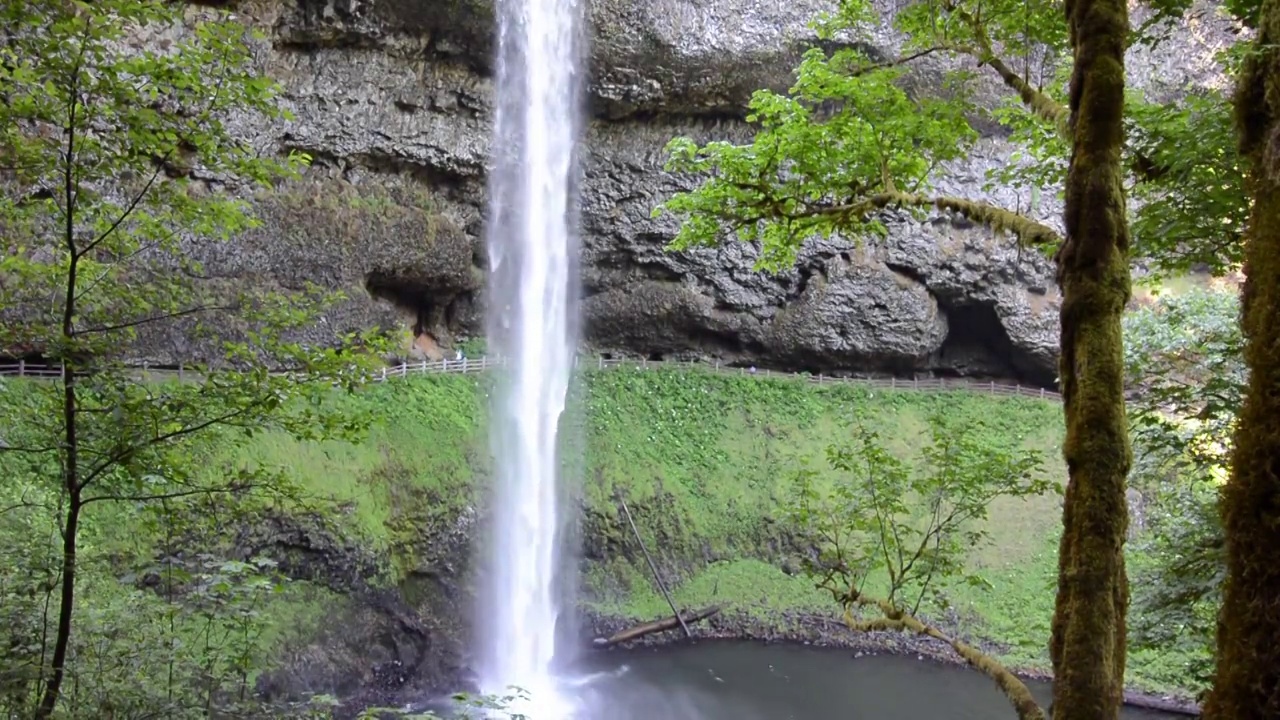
(394, 98)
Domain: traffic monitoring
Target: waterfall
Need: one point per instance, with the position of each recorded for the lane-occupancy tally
(532, 323)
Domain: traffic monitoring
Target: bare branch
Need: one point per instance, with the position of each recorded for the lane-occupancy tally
(154, 318)
(133, 205)
(123, 453)
(176, 494)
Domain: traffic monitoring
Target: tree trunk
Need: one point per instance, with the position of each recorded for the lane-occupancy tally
(65, 609)
(1247, 682)
(1088, 643)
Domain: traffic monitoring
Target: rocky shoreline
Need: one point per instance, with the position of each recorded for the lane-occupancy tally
(823, 631)
(829, 632)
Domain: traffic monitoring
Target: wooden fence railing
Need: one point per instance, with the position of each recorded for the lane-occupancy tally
(484, 364)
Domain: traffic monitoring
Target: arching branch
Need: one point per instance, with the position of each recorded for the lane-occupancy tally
(896, 619)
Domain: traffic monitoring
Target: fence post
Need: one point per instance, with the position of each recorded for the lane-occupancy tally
(384, 373)
(22, 367)
(993, 387)
(180, 372)
(819, 378)
(599, 362)
(893, 382)
(1041, 393)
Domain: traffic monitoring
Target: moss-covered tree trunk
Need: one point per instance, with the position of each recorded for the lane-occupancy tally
(1247, 684)
(1088, 643)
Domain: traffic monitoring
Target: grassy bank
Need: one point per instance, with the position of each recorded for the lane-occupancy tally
(705, 462)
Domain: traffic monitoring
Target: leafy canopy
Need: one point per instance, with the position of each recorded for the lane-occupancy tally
(851, 138)
(1185, 354)
(125, 155)
(846, 141)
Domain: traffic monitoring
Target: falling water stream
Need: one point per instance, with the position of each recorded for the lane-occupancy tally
(532, 248)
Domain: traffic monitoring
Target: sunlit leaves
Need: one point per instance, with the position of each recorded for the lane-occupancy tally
(1030, 36)
(1184, 352)
(913, 523)
(1192, 205)
(845, 133)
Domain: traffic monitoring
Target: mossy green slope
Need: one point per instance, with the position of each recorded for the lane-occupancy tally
(705, 462)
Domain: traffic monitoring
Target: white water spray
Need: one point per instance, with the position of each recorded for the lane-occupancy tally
(532, 324)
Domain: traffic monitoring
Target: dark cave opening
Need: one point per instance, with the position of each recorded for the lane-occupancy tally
(405, 294)
(977, 345)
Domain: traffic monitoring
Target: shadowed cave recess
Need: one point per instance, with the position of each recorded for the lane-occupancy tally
(976, 344)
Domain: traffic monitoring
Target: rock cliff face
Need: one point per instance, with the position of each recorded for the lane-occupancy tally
(392, 98)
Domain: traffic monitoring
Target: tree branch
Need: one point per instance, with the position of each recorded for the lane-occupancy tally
(133, 205)
(1045, 107)
(894, 619)
(154, 318)
(123, 453)
(169, 495)
(997, 218)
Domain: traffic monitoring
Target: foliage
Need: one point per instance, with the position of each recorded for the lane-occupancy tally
(845, 142)
(917, 525)
(848, 141)
(120, 164)
(1185, 353)
(1191, 207)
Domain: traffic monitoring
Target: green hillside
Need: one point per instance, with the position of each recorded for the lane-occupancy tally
(704, 461)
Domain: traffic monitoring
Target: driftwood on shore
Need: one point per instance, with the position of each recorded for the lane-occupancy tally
(657, 626)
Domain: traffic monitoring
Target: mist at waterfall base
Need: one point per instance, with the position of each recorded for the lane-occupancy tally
(532, 323)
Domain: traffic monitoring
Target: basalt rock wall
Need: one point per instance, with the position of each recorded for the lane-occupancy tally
(393, 98)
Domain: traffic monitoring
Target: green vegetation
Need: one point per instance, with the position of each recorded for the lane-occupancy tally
(149, 531)
(848, 140)
(707, 463)
(100, 206)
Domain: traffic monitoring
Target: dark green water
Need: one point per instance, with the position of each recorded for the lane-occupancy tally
(749, 681)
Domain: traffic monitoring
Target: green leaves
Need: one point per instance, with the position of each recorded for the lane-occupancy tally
(126, 152)
(841, 144)
(1185, 353)
(914, 525)
(846, 141)
(1192, 206)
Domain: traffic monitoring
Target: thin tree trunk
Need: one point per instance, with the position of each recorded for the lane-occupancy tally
(1088, 642)
(71, 481)
(1247, 682)
(65, 609)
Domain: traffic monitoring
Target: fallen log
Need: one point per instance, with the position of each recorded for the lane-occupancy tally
(656, 626)
(656, 576)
